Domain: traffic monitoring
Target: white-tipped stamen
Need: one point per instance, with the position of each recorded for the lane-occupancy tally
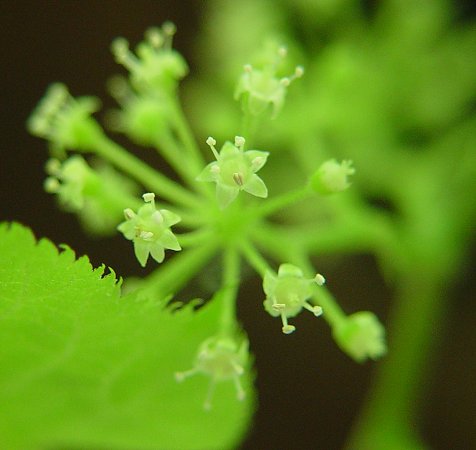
(211, 143)
(240, 392)
(319, 279)
(248, 68)
(154, 37)
(316, 310)
(239, 142)
(51, 185)
(285, 81)
(149, 197)
(53, 166)
(120, 49)
(207, 404)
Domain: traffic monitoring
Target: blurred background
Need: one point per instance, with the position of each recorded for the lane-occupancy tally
(309, 391)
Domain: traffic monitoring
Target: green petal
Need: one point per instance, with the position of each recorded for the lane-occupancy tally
(255, 186)
(290, 270)
(269, 283)
(170, 218)
(226, 194)
(252, 154)
(157, 252)
(207, 174)
(169, 240)
(228, 149)
(141, 250)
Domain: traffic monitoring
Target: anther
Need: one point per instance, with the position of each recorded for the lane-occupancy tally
(148, 197)
(319, 279)
(239, 142)
(238, 178)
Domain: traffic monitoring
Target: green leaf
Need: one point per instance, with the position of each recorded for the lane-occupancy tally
(83, 367)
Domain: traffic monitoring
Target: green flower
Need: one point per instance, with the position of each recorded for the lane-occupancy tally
(258, 89)
(332, 177)
(98, 195)
(288, 293)
(220, 358)
(156, 65)
(65, 121)
(235, 170)
(361, 336)
(149, 230)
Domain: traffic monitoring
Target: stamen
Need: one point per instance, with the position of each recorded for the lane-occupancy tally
(146, 235)
(154, 37)
(319, 279)
(211, 143)
(240, 392)
(207, 405)
(316, 310)
(51, 185)
(239, 142)
(149, 197)
(238, 178)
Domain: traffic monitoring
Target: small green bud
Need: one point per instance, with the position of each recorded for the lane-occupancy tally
(361, 336)
(235, 170)
(65, 121)
(156, 65)
(288, 293)
(332, 177)
(149, 230)
(260, 88)
(143, 119)
(220, 358)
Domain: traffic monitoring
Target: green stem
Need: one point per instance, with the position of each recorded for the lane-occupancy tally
(230, 283)
(279, 202)
(171, 277)
(143, 173)
(194, 238)
(255, 259)
(185, 134)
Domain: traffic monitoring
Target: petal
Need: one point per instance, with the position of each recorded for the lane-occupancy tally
(170, 218)
(289, 270)
(169, 240)
(269, 283)
(141, 250)
(228, 150)
(226, 194)
(157, 252)
(208, 174)
(251, 155)
(255, 186)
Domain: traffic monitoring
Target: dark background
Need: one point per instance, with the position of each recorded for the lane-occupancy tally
(309, 391)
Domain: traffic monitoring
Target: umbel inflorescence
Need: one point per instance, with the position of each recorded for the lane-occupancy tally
(222, 207)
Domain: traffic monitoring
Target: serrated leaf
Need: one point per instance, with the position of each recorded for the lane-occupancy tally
(83, 367)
